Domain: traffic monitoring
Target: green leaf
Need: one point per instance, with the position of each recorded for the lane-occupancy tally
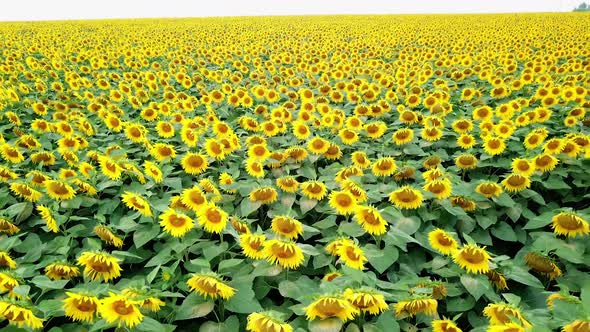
(194, 306)
(145, 233)
(476, 285)
(522, 276)
(504, 232)
(381, 259)
(247, 206)
(45, 283)
(244, 300)
(540, 221)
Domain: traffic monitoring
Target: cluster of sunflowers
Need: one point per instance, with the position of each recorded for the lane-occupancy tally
(383, 173)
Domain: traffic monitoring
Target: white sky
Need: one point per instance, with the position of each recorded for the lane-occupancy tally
(33, 10)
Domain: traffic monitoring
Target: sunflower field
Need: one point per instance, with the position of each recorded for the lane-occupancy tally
(279, 174)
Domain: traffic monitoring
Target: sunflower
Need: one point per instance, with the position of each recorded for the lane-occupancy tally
(105, 234)
(403, 136)
(543, 265)
(287, 227)
(264, 195)
(442, 242)
(508, 327)
(440, 188)
(410, 308)
(258, 152)
(61, 270)
(366, 300)
(210, 285)
(212, 218)
(59, 190)
(577, 326)
(494, 146)
(25, 191)
(523, 167)
(406, 197)
(19, 313)
(255, 168)
(6, 174)
(99, 265)
(348, 136)
(194, 163)
(267, 321)
(119, 309)
(352, 255)
(48, 218)
(466, 161)
(110, 168)
(370, 219)
(314, 190)
(343, 202)
(444, 325)
(193, 198)
(516, 182)
(6, 260)
(152, 171)
(11, 154)
(136, 202)
(385, 166)
(318, 145)
(287, 184)
(466, 141)
(287, 254)
(569, 224)
(503, 314)
(489, 189)
(497, 279)
(175, 223)
(145, 297)
(327, 306)
(472, 258)
(165, 129)
(360, 159)
(545, 162)
(252, 245)
(80, 307)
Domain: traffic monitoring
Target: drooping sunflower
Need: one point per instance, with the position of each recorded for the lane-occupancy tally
(252, 245)
(110, 168)
(81, 307)
(327, 306)
(489, 189)
(343, 202)
(569, 224)
(314, 190)
(6, 227)
(503, 314)
(212, 218)
(100, 265)
(472, 258)
(175, 223)
(61, 270)
(385, 166)
(516, 183)
(366, 300)
(412, 307)
(137, 203)
(370, 219)
(360, 159)
(444, 325)
(153, 172)
(442, 242)
(264, 195)
(287, 227)
(497, 279)
(107, 235)
(542, 264)
(19, 313)
(6, 260)
(403, 136)
(267, 321)
(11, 153)
(287, 184)
(120, 309)
(147, 299)
(210, 285)
(194, 163)
(577, 326)
(25, 191)
(284, 253)
(255, 168)
(59, 190)
(406, 197)
(508, 327)
(466, 161)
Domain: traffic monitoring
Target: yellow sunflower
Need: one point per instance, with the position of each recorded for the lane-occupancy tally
(472, 258)
(25, 191)
(343, 202)
(442, 242)
(19, 314)
(107, 235)
(410, 308)
(137, 203)
(545, 162)
(577, 326)
(287, 184)
(81, 307)
(406, 197)
(370, 219)
(440, 188)
(61, 270)
(59, 190)
(175, 223)
(366, 300)
(287, 227)
(152, 171)
(212, 218)
(523, 167)
(266, 322)
(503, 314)
(110, 168)
(569, 224)
(466, 161)
(100, 265)
(193, 198)
(287, 254)
(351, 255)
(314, 190)
(327, 306)
(6, 260)
(444, 325)
(385, 166)
(210, 285)
(494, 146)
(489, 189)
(403, 136)
(516, 183)
(194, 163)
(252, 245)
(264, 195)
(120, 309)
(542, 264)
